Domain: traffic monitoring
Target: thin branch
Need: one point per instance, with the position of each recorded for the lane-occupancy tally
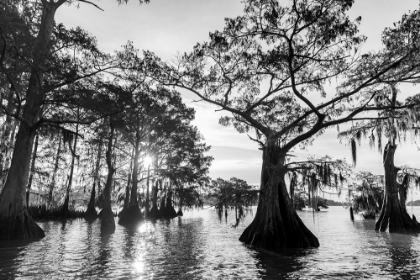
(58, 122)
(71, 81)
(252, 121)
(255, 140)
(292, 78)
(88, 2)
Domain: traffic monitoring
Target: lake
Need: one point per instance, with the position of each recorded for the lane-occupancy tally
(199, 246)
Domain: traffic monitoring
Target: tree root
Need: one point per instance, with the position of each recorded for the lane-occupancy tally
(20, 226)
(290, 234)
(131, 216)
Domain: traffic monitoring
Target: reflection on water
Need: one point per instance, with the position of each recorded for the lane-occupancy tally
(199, 246)
(403, 258)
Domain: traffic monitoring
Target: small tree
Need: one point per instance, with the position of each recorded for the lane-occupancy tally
(368, 194)
(233, 193)
(183, 162)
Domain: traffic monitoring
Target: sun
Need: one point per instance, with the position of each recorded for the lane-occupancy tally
(147, 161)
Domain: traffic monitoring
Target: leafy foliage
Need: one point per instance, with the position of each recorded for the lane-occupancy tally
(368, 192)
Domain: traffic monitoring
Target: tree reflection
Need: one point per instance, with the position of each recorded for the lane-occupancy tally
(92, 249)
(128, 243)
(104, 252)
(11, 257)
(394, 254)
(403, 258)
(281, 264)
(183, 248)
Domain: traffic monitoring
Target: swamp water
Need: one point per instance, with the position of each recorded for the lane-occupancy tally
(199, 246)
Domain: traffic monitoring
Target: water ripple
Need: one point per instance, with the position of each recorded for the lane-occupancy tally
(199, 246)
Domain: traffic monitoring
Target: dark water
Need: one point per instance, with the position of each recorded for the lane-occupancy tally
(198, 246)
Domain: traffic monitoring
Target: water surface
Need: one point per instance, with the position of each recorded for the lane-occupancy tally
(199, 246)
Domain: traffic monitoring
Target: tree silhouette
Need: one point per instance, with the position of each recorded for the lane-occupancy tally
(269, 68)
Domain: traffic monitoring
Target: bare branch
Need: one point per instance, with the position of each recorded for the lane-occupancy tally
(87, 122)
(88, 2)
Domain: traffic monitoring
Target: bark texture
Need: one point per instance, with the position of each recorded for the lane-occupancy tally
(394, 216)
(276, 223)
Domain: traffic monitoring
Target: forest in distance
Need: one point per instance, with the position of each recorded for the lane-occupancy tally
(83, 130)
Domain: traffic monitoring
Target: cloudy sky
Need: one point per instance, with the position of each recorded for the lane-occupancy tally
(167, 27)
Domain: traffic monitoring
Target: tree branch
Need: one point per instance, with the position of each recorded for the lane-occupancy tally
(58, 122)
(88, 2)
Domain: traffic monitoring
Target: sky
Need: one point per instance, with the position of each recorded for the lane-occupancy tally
(168, 27)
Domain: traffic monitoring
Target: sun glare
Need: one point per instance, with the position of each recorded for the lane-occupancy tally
(142, 228)
(147, 161)
(139, 265)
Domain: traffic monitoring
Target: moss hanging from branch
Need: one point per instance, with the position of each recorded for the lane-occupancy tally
(341, 179)
(359, 136)
(379, 133)
(372, 141)
(353, 151)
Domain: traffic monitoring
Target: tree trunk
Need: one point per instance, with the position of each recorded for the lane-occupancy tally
(402, 192)
(181, 201)
(146, 204)
(154, 212)
(292, 192)
(276, 223)
(65, 208)
(133, 215)
(133, 196)
(28, 188)
(162, 207)
(309, 196)
(16, 223)
(127, 191)
(127, 194)
(169, 212)
(107, 216)
(127, 188)
(91, 210)
(394, 215)
(52, 184)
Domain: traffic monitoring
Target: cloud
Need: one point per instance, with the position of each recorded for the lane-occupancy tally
(167, 27)
(236, 162)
